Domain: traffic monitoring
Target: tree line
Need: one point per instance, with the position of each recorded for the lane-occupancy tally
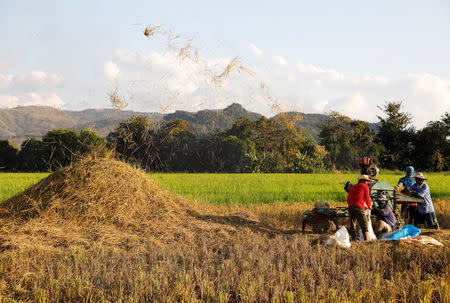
(252, 146)
(395, 143)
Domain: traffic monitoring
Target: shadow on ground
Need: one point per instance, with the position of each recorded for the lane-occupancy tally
(240, 222)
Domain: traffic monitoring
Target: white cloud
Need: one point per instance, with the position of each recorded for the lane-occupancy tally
(316, 72)
(161, 79)
(30, 98)
(153, 80)
(280, 60)
(125, 57)
(255, 50)
(111, 71)
(349, 105)
(3, 66)
(34, 88)
(35, 80)
(38, 76)
(6, 81)
(8, 101)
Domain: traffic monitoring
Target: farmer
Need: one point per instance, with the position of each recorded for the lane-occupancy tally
(358, 201)
(408, 210)
(385, 216)
(408, 180)
(425, 211)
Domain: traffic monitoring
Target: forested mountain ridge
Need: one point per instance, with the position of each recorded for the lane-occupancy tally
(210, 120)
(17, 124)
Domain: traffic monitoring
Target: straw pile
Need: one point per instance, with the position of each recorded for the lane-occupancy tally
(109, 203)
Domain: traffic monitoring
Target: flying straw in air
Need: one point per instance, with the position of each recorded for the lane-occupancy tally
(117, 101)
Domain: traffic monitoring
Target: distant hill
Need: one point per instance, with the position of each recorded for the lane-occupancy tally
(17, 124)
(206, 121)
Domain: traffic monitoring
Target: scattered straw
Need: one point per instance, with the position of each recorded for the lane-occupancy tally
(184, 49)
(266, 94)
(152, 30)
(188, 52)
(117, 101)
(234, 65)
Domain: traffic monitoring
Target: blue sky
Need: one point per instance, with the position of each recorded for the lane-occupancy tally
(310, 56)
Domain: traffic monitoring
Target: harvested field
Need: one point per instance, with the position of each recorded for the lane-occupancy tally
(102, 231)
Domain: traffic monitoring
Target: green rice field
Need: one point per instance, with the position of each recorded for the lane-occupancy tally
(247, 189)
(14, 183)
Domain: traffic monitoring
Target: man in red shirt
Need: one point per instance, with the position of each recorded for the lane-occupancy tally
(358, 201)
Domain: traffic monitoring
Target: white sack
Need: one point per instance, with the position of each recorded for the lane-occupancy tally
(359, 233)
(340, 239)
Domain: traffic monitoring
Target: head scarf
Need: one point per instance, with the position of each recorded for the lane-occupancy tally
(409, 178)
(410, 171)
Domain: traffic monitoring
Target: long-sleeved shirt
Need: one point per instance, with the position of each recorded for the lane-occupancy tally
(386, 214)
(358, 194)
(406, 182)
(424, 191)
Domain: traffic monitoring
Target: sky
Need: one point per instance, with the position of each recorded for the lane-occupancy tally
(308, 56)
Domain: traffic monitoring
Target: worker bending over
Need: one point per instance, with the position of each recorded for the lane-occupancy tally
(385, 217)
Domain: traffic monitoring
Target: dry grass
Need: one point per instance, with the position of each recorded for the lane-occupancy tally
(117, 101)
(110, 197)
(152, 30)
(211, 77)
(101, 231)
(234, 65)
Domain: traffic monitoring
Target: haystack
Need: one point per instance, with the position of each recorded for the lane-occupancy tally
(107, 202)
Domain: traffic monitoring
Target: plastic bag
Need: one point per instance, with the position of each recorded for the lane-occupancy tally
(407, 230)
(359, 233)
(340, 239)
(423, 240)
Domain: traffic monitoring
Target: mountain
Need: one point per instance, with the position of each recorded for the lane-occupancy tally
(206, 121)
(17, 124)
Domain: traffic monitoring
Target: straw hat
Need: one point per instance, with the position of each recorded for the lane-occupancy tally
(364, 177)
(420, 176)
(382, 197)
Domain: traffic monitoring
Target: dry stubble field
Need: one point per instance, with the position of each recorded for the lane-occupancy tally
(102, 231)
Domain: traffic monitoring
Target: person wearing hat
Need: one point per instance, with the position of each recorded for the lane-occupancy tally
(425, 211)
(358, 201)
(385, 216)
(408, 210)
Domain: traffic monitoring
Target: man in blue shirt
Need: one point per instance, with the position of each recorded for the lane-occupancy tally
(425, 211)
(408, 210)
